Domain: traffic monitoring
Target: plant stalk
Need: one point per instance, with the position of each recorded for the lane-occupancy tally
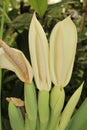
(1, 36)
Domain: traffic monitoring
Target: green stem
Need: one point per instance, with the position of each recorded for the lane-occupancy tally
(4, 14)
(43, 108)
(2, 22)
(1, 35)
(57, 97)
(54, 121)
(31, 104)
(57, 124)
(27, 127)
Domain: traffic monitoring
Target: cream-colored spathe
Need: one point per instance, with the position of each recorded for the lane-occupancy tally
(14, 60)
(39, 53)
(63, 41)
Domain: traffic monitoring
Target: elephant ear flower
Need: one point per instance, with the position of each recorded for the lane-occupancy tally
(14, 60)
(39, 53)
(63, 41)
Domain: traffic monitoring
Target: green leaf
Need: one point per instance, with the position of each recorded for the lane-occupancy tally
(69, 108)
(22, 21)
(79, 120)
(39, 6)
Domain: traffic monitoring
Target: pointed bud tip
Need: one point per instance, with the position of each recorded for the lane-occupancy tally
(16, 101)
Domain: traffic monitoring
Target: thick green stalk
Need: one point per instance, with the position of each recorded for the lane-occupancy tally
(53, 121)
(16, 118)
(57, 124)
(57, 97)
(27, 127)
(31, 105)
(43, 108)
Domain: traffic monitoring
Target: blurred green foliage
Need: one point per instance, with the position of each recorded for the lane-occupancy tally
(15, 33)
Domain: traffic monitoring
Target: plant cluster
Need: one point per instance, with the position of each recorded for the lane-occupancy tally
(44, 104)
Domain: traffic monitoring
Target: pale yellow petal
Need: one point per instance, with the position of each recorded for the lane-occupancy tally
(14, 60)
(39, 50)
(63, 41)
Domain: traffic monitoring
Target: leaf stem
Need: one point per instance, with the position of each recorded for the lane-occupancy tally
(1, 36)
